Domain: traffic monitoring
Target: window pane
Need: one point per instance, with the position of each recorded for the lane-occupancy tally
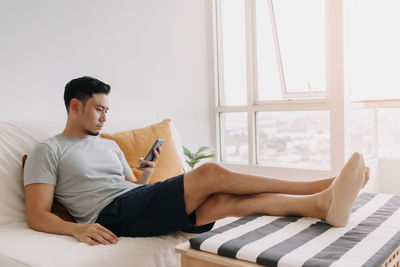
(294, 138)
(234, 91)
(389, 132)
(361, 131)
(301, 33)
(234, 141)
(372, 48)
(269, 85)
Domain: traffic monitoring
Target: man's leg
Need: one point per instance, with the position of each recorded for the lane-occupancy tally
(222, 205)
(211, 179)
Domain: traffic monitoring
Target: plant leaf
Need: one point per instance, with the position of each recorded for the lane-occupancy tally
(201, 149)
(186, 151)
(205, 156)
(194, 162)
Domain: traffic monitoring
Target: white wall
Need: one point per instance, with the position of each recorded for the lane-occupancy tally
(156, 55)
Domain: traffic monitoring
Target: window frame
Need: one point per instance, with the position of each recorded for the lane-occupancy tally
(333, 100)
(285, 93)
(375, 106)
(336, 99)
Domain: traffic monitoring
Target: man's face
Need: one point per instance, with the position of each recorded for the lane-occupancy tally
(93, 115)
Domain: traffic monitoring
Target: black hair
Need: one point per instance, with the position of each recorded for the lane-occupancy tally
(83, 88)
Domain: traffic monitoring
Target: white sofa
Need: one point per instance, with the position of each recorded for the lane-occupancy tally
(21, 246)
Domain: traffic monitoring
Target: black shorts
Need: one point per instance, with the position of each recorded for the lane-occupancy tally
(151, 210)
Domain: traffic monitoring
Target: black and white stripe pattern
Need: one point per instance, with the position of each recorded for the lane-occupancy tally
(370, 236)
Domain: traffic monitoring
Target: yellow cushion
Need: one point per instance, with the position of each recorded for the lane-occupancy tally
(136, 143)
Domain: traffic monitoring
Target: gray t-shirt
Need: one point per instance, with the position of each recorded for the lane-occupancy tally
(88, 173)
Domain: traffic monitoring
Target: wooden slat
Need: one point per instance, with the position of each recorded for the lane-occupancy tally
(394, 259)
(196, 258)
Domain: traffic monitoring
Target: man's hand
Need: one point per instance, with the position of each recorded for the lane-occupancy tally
(148, 171)
(38, 201)
(94, 234)
(150, 164)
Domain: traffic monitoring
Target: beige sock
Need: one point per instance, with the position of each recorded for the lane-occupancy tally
(345, 189)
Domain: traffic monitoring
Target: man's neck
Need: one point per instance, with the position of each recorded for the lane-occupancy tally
(71, 130)
(69, 133)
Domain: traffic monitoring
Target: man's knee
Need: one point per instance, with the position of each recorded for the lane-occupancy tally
(211, 170)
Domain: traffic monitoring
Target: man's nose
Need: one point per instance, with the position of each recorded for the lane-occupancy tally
(103, 117)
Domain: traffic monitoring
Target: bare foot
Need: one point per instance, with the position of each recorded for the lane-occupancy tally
(344, 190)
(366, 177)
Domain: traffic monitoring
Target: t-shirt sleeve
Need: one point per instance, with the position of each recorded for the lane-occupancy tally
(126, 169)
(41, 166)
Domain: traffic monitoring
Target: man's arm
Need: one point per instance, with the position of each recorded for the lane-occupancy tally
(38, 201)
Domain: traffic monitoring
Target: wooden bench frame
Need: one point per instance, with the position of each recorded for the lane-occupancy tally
(196, 258)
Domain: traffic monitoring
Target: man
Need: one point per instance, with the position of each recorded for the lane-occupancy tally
(90, 176)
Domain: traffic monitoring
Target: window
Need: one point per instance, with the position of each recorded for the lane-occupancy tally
(234, 137)
(361, 132)
(293, 138)
(300, 34)
(233, 48)
(373, 54)
(389, 132)
(300, 83)
(373, 81)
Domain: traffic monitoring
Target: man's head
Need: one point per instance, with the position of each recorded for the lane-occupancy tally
(83, 88)
(86, 102)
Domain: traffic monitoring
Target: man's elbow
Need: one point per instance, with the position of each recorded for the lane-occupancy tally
(31, 221)
(34, 220)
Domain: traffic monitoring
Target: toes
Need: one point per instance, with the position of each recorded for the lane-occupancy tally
(356, 158)
(366, 176)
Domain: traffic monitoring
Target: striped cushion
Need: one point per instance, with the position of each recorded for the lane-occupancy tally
(369, 238)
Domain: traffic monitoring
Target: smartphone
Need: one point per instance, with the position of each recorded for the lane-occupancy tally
(150, 155)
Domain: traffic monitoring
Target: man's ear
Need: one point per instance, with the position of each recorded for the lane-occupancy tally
(75, 105)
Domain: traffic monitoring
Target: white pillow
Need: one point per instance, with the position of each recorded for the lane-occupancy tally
(16, 139)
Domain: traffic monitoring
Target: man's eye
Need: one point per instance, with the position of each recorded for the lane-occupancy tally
(99, 109)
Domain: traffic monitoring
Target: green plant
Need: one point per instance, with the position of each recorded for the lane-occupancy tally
(194, 158)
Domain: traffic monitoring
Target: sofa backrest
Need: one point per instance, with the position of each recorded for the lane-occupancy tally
(19, 138)
(16, 139)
